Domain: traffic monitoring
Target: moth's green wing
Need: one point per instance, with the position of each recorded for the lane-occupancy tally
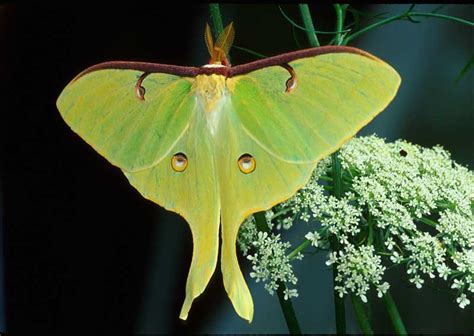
(133, 134)
(193, 194)
(287, 134)
(272, 181)
(335, 96)
(141, 137)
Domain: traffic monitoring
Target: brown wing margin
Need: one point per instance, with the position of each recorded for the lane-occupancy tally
(294, 55)
(144, 67)
(224, 71)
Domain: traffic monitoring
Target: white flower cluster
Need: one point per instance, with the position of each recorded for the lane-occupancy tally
(340, 217)
(401, 203)
(247, 235)
(421, 203)
(456, 229)
(357, 269)
(305, 206)
(465, 282)
(270, 264)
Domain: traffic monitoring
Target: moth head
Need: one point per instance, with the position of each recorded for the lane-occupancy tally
(220, 49)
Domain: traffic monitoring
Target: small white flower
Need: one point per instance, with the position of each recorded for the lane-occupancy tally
(457, 284)
(299, 256)
(412, 269)
(444, 271)
(289, 293)
(463, 301)
(382, 289)
(305, 217)
(418, 281)
(313, 237)
(396, 258)
(332, 258)
(363, 298)
(390, 243)
(471, 287)
(341, 289)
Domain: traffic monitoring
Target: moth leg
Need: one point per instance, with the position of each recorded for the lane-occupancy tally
(139, 89)
(291, 82)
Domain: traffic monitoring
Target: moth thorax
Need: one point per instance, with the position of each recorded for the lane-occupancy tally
(214, 65)
(210, 90)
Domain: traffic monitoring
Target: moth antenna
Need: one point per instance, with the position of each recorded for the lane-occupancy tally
(226, 38)
(209, 40)
(221, 48)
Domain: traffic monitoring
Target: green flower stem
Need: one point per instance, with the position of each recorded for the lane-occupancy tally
(325, 178)
(428, 221)
(295, 25)
(308, 23)
(288, 311)
(442, 16)
(279, 213)
(216, 18)
(464, 71)
(286, 305)
(337, 174)
(339, 305)
(392, 310)
(298, 249)
(370, 223)
(261, 221)
(408, 14)
(340, 16)
(359, 310)
(373, 26)
(251, 52)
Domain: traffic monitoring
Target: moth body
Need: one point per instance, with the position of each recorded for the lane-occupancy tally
(211, 95)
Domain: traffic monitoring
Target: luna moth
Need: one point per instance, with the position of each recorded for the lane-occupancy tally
(218, 143)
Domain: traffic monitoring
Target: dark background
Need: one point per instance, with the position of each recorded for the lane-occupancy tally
(85, 252)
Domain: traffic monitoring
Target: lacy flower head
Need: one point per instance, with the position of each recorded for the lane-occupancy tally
(401, 205)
